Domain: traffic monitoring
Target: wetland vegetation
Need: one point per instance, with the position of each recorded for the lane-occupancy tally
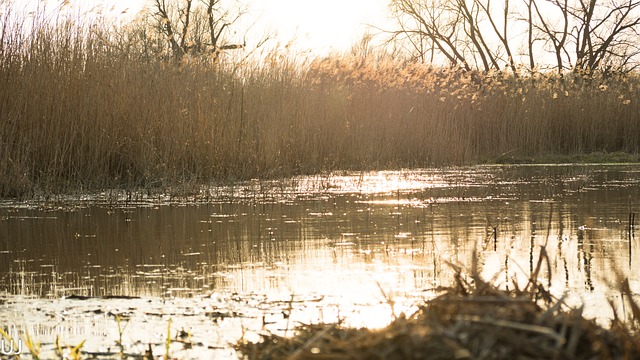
(86, 107)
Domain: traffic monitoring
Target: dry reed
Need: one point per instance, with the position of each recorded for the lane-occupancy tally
(85, 108)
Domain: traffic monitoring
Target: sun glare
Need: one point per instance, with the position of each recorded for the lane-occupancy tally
(319, 26)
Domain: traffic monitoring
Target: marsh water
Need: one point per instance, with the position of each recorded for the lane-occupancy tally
(121, 271)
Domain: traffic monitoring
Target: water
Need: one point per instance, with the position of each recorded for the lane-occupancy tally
(117, 269)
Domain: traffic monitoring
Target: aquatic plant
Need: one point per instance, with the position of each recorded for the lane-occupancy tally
(167, 342)
(33, 346)
(121, 329)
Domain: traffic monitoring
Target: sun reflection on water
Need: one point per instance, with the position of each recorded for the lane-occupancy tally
(358, 247)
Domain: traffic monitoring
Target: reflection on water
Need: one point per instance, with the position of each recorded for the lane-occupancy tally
(329, 243)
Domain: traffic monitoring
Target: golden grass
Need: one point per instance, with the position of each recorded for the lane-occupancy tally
(83, 108)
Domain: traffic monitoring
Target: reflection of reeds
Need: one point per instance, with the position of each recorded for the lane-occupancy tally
(472, 319)
(84, 109)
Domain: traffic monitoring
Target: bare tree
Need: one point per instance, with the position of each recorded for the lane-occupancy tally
(430, 23)
(556, 37)
(196, 28)
(592, 34)
(472, 15)
(604, 32)
(530, 35)
(503, 32)
(457, 30)
(580, 34)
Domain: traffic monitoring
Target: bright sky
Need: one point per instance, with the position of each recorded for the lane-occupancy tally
(321, 25)
(318, 25)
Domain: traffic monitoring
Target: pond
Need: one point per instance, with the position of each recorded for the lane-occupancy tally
(122, 271)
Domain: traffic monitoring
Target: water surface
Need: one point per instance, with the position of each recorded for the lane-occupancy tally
(267, 254)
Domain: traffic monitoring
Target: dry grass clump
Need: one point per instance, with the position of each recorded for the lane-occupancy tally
(472, 319)
(86, 107)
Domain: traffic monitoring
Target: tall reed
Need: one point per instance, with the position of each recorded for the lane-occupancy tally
(85, 108)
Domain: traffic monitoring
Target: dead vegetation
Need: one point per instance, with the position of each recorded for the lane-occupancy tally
(472, 319)
(84, 109)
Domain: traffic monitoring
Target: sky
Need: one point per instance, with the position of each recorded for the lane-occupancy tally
(322, 26)
(317, 26)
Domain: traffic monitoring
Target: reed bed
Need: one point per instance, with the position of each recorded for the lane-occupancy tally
(84, 107)
(471, 319)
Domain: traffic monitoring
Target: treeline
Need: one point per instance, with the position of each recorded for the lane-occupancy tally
(522, 36)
